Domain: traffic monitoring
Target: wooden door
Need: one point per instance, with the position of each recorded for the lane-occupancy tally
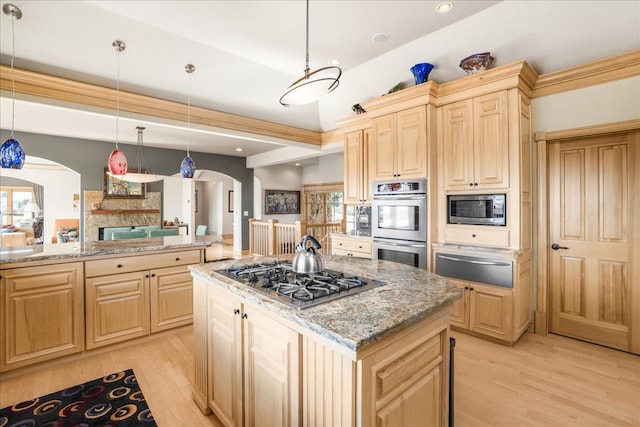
(117, 308)
(271, 372)
(457, 143)
(171, 293)
(225, 357)
(459, 315)
(353, 168)
(491, 141)
(491, 310)
(383, 148)
(412, 143)
(42, 313)
(592, 185)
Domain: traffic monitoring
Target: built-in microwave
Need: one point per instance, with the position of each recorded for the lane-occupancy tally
(477, 209)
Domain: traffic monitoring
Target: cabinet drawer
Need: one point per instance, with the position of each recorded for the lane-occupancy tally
(352, 245)
(343, 252)
(475, 236)
(140, 262)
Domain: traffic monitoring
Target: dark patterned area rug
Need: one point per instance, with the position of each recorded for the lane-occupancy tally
(114, 400)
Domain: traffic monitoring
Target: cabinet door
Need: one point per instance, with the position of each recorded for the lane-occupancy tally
(42, 314)
(457, 137)
(412, 143)
(491, 311)
(224, 356)
(171, 298)
(383, 148)
(117, 308)
(491, 141)
(459, 315)
(272, 372)
(354, 168)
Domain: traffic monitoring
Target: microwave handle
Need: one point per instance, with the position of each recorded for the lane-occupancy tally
(506, 264)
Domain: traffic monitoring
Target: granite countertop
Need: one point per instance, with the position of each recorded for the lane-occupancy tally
(410, 295)
(57, 251)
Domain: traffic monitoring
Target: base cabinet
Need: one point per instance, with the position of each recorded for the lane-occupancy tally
(42, 316)
(124, 301)
(351, 246)
(253, 365)
(483, 309)
(255, 368)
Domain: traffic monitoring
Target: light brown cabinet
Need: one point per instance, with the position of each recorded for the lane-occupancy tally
(42, 313)
(130, 297)
(252, 363)
(399, 145)
(357, 182)
(351, 246)
(483, 309)
(476, 143)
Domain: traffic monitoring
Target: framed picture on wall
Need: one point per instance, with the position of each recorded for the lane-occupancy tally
(230, 200)
(116, 188)
(281, 202)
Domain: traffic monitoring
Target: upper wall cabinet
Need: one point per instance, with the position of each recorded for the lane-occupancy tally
(476, 149)
(399, 145)
(356, 167)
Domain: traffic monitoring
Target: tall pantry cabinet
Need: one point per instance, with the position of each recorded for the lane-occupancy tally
(485, 147)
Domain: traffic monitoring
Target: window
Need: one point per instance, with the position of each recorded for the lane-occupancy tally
(323, 211)
(13, 200)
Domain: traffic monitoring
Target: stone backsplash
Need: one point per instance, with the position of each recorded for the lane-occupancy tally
(119, 212)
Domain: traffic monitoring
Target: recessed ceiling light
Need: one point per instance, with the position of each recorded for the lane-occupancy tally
(297, 164)
(380, 38)
(444, 7)
(238, 149)
(335, 62)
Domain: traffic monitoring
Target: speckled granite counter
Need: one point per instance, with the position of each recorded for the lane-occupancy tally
(356, 321)
(50, 252)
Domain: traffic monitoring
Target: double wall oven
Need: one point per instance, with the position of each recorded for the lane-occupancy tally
(399, 221)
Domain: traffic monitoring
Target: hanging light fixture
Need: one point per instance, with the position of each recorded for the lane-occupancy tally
(11, 152)
(188, 166)
(117, 160)
(314, 84)
(143, 174)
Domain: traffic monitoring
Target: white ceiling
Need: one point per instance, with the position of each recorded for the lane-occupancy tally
(247, 52)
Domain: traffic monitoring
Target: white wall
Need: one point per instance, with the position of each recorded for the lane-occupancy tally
(281, 177)
(329, 169)
(605, 103)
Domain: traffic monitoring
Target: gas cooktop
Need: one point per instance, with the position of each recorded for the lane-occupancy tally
(278, 280)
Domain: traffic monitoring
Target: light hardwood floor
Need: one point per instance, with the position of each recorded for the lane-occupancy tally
(540, 381)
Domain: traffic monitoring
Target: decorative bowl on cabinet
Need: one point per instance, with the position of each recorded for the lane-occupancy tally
(476, 63)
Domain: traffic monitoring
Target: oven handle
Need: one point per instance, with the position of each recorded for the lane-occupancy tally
(418, 197)
(406, 245)
(505, 264)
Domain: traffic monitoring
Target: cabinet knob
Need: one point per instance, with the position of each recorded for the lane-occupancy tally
(177, 259)
(471, 288)
(473, 235)
(236, 311)
(119, 266)
(339, 244)
(466, 288)
(153, 274)
(146, 276)
(244, 315)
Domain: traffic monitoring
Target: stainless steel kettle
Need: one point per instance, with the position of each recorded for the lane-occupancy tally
(306, 259)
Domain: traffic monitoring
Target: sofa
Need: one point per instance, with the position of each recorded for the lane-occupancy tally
(16, 236)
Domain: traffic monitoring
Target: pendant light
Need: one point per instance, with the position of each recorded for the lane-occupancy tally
(314, 84)
(143, 174)
(188, 167)
(11, 152)
(117, 160)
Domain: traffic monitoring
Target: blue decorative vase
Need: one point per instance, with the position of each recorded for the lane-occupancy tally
(187, 167)
(11, 154)
(421, 72)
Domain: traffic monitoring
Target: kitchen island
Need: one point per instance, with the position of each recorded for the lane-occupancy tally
(376, 357)
(62, 299)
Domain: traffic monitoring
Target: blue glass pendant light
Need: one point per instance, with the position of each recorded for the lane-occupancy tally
(11, 153)
(188, 166)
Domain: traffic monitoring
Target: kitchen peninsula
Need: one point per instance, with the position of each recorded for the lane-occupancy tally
(63, 299)
(380, 356)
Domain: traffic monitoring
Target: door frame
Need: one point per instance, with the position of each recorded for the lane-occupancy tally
(541, 297)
